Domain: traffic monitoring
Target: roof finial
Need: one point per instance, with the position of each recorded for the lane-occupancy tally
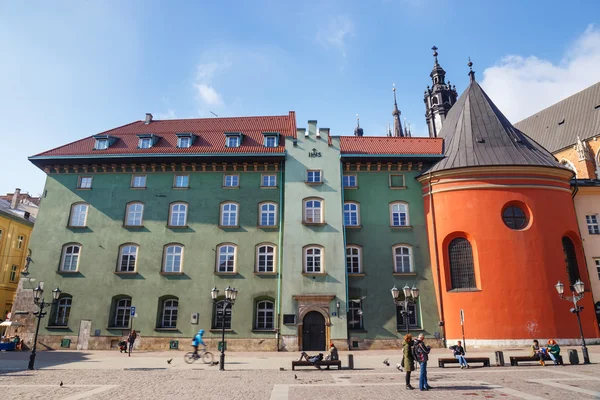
(357, 121)
(358, 131)
(471, 72)
(435, 54)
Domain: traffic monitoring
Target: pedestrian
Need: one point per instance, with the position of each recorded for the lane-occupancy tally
(553, 350)
(408, 360)
(421, 355)
(537, 352)
(131, 339)
(459, 353)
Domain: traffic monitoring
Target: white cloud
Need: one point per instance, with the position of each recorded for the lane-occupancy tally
(170, 114)
(521, 86)
(208, 94)
(206, 72)
(336, 33)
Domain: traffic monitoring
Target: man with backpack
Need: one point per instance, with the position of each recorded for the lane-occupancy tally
(421, 355)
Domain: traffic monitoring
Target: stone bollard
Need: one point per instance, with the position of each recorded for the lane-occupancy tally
(350, 361)
(500, 359)
(573, 357)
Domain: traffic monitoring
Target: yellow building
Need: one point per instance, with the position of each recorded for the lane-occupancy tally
(570, 129)
(15, 231)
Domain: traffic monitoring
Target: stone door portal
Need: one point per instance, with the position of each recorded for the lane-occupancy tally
(84, 334)
(313, 332)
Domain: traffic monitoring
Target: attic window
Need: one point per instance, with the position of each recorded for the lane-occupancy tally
(146, 141)
(103, 142)
(185, 140)
(562, 121)
(271, 139)
(233, 139)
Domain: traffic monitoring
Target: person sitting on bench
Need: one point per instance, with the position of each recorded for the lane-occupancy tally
(459, 353)
(553, 351)
(537, 352)
(333, 354)
(311, 359)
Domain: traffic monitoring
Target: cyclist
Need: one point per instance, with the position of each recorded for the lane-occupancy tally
(198, 341)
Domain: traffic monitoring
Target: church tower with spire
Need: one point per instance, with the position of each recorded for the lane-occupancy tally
(438, 98)
(396, 113)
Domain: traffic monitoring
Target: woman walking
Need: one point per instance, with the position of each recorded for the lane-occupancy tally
(408, 360)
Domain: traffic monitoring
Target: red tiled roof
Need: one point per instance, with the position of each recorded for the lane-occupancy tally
(379, 145)
(209, 131)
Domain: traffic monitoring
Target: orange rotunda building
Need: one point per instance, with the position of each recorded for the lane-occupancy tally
(502, 232)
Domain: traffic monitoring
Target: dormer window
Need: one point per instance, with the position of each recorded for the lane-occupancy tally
(103, 142)
(185, 140)
(146, 141)
(271, 139)
(233, 139)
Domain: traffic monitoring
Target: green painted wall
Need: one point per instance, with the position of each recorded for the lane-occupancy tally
(96, 284)
(377, 238)
(296, 235)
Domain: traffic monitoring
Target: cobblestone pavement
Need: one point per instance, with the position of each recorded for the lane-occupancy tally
(101, 375)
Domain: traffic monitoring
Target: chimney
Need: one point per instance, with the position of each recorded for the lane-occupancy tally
(312, 127)
(15, 199)
(148, 118)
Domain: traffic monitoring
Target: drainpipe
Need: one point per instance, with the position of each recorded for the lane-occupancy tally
(280, 253)
(344, 261)
(437, 262)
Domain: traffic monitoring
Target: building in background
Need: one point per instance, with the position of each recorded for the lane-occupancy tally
(570, 129)
(24, 201)
(16, 225)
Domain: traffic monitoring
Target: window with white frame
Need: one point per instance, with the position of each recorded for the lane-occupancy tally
(313, 261)
(63, 310)
(184, 142)
(231, 181)
(229, 214)
(226, 258)
(233, 141)
(313, 176)
(265, 258)
(20, 240)
(265, 315)
(138, 181)
(101, 144)
(134, 214)
(173, 261)
(70, 258)
(145, 143)
(351, 214)
(270, 141)
(355, 315)
(313, 211)
(13, 273)
(350, 181)
(269, 180)
(597, 261)
(402, 259)
(412, 317)
(79, 213)
(221, 315)
(169, 313)
(178, 215)
(592, 224)
(399, 214)
(122, 313)
(84, 182)
(268, 214)
(353, 260)
(127, 258)
(182, 181)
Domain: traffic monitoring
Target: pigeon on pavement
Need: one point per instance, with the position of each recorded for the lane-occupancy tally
(61, 383)
(386, 362)
(169, 361)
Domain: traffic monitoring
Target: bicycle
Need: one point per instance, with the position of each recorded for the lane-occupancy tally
(206, 356)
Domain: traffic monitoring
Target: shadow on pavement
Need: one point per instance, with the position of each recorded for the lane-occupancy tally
(12, 361)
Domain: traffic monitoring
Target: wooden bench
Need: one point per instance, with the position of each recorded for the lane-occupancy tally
(514, 361)
(470, 360)
(317, 364)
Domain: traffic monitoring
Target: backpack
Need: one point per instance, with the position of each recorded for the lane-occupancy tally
(418, 353)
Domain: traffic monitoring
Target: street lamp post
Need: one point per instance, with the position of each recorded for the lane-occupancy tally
(410, 297)
(39, 301)
(230, 296)
(577, 295)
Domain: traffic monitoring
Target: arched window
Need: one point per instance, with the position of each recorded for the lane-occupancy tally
(127, 258)
(268, 214)
(313, 260)
(173, 258)
(226, 257)
(313, 211)
(221, 315)
(134, 214)
(355, 315)
(434, 101)
(169, 313)
(63, 310)
(265, 315)
(402, 258)
(70, 258)
(351, 214)
(178, 214)
(229, 214)
(411, 318)
(353, 259)
(122, 312)
(570, 260)
(265, 258)
(462, 269)
(399, 214)
(79, 213)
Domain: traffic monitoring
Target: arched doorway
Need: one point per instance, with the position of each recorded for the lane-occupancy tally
(313, 332)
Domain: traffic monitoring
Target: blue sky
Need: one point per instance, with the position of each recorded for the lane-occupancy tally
(70, 69)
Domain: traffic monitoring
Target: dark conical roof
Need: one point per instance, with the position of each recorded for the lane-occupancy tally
(476, 133)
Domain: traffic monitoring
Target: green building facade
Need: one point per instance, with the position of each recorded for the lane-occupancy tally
(313, 231)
